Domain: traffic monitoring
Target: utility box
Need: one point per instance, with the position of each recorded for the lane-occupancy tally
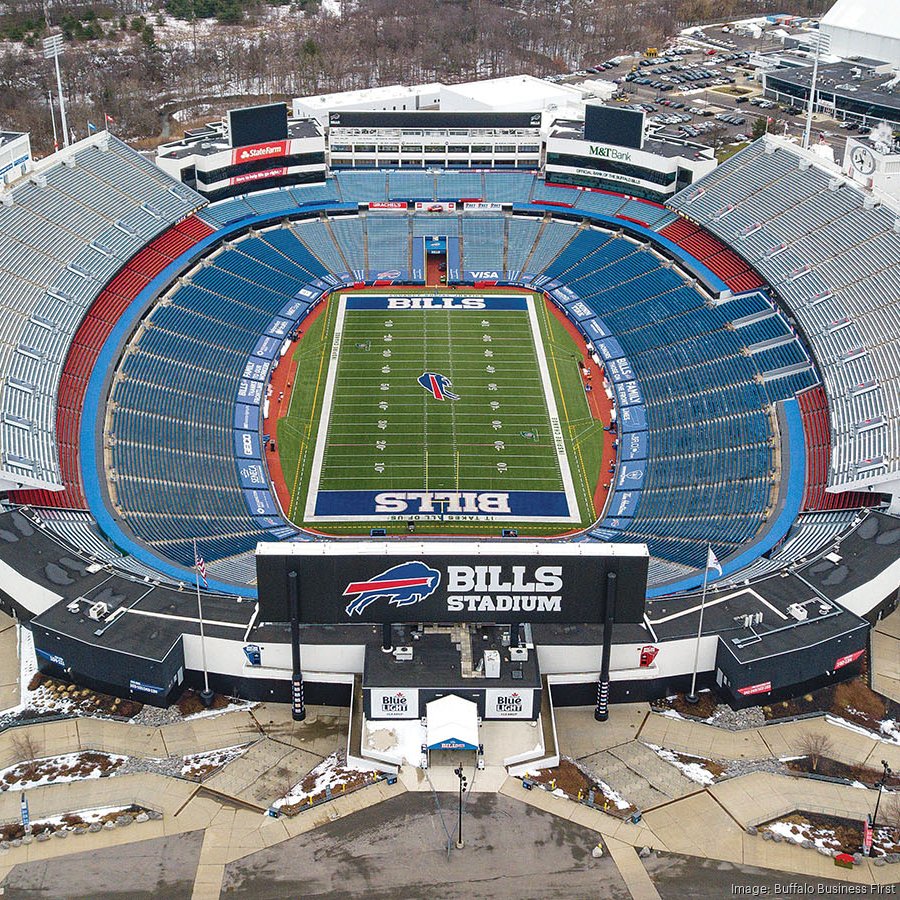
(491, 663)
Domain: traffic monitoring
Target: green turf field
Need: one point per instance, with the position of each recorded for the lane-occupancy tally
(361, 425)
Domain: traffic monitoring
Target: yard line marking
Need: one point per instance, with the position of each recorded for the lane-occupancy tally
(559, 442)
(301, 456)
(322, 437)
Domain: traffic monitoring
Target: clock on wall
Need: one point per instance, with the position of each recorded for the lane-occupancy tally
(863, 160)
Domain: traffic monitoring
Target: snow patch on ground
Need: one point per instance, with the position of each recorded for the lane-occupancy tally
(57, 770)
(332, 773)
(27, 664)
(821, 837)
(609, 793)
(889, 733)
(233, 706)
(614, 797)
(402, 739)
(198, 764)
(696, 771)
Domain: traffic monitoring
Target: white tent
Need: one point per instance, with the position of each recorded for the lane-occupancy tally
(867, 28)
(451, 723)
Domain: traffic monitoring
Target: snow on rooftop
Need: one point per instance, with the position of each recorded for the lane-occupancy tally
(368, 95)
(872, 17)
(512, 91)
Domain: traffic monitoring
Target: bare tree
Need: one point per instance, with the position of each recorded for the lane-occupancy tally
(27, 751)
(816, 746)
(891, 815)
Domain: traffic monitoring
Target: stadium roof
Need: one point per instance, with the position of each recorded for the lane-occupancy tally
(873, 17)
(516, 92)
(7, 137)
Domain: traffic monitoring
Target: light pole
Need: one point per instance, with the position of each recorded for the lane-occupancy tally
(458, 772)
(712, 562)
(52, 49)
(206, 695)
(810, 109)
(887, 773)
(53, 121)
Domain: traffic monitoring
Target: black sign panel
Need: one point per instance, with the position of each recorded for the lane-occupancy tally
(545, 588)
(614, 125)
(433, 119)
(258, 124)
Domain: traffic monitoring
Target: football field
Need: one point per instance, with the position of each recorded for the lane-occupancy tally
(440, 408)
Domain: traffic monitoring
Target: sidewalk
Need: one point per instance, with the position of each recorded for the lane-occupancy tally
(849, 746)
(9, 662)
(885, 643)
(632, 870)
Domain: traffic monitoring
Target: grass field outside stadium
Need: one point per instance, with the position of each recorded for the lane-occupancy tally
(461, 411)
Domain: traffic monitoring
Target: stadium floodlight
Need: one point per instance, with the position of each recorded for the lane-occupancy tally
(821, 39)
(53, 46)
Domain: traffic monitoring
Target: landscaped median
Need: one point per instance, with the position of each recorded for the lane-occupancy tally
(331, 778)
(571, 781)
(832, 836)
(15, 834)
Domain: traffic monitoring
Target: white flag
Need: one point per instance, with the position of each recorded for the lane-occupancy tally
(712, 562)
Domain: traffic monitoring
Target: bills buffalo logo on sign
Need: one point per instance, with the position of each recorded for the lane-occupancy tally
(437, 386)
(403, 585)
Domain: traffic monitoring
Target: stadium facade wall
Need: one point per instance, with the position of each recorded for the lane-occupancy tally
(217, 173)
(641, 173)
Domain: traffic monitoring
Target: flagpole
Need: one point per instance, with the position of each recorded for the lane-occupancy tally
(206, 695)
(53, 120)
(692, 696)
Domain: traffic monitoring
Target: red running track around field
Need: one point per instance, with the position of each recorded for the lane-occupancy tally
(283, 383)
(601, 409)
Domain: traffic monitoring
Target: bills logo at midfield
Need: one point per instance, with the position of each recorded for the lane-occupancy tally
(437, 386)
(402, 585)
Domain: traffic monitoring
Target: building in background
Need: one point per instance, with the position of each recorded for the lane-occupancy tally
(390, 98)
(467, 140)
(516, 93)
(860, 90)
(865, 28)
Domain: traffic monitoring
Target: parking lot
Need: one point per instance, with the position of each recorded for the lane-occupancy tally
(706, 91)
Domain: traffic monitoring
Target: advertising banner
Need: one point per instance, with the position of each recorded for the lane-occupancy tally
(444, 582)
(253, 152)
(508, 703)
(762, 688)
(394, 703)
(436, 206)
(276, 172)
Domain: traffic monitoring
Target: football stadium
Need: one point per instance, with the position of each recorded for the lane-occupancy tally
(370, 435)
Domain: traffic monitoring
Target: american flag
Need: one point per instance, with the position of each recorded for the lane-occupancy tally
(200, 565)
